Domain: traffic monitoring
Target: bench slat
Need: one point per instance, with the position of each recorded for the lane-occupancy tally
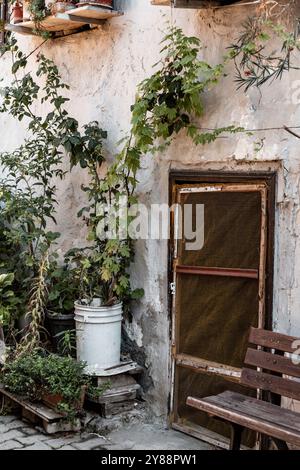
(285, 387)
(271, 339)
(272, 362)
(259, 409)
(249, 412)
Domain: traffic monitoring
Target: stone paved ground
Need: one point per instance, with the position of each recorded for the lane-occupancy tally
(18, 435)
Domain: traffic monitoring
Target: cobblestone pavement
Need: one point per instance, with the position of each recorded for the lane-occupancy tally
(19, 435)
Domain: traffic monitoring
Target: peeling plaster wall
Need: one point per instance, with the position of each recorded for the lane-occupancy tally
(103, 68)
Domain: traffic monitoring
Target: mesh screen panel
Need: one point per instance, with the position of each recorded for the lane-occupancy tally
(214, 316)
(231, 227)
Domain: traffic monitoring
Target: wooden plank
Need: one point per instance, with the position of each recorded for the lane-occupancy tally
(59, 22)
(215, 271)
(196, 4)
(273, 362)
(40, 410)
(243, 419)
(90, 11)
(161, 2)
(204, 4)
(117, 394)
(262, 259)
(121, 390)
(201, 365)
(18, 28)
(271, 383)
(108, 410)
(258, 408)
(204, 434)
(120, 380)
(81, 19)
(129, 367)
(225, 187)
(273, 340)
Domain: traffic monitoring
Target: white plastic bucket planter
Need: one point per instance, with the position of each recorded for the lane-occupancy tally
(98, 335)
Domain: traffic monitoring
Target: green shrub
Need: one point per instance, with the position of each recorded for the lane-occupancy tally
(37, 374)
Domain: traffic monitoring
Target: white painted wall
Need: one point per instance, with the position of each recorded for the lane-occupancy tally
(103, 68)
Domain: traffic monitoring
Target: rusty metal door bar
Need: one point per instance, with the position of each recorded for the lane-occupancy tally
(212, 271)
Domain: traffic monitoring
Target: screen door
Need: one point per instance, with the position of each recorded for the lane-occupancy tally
(218, 293)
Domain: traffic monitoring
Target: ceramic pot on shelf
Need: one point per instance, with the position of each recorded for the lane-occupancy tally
(26, 10)
(61, 7)
(16, 13)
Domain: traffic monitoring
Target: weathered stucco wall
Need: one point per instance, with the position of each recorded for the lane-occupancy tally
(103, 68)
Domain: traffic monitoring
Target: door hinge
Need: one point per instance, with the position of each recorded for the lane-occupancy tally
(173, 288)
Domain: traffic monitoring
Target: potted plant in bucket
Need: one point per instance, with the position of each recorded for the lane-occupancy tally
(101, 268)
(98, 311)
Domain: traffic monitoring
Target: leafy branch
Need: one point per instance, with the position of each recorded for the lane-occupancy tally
(255, 65)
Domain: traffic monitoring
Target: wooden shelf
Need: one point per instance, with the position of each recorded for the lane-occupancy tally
(75, 20)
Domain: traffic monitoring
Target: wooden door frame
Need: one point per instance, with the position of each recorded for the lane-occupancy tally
(187, 177)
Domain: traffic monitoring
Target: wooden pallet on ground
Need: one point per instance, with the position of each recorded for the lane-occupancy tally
(39, 414)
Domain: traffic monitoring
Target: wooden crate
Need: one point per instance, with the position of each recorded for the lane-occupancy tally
(120, 397)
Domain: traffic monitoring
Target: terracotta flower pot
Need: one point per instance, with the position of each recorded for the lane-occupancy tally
(52, 401)
(17, 13)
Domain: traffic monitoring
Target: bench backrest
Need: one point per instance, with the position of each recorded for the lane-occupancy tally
(269, 356)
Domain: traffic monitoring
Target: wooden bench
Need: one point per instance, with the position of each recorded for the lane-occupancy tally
(273, 372)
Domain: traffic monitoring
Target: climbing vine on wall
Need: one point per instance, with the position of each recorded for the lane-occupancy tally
(167, 102)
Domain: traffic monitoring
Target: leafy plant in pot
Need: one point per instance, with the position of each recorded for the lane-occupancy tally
(101, 268)
(98, 319)
(60, 307)
(8, 304)
(60, 382)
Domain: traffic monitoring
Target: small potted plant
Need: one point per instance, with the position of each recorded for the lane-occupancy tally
(35, 10)
(8, 305)
(60, 305)
(7, 298)
(16, 13)
(61, 6)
